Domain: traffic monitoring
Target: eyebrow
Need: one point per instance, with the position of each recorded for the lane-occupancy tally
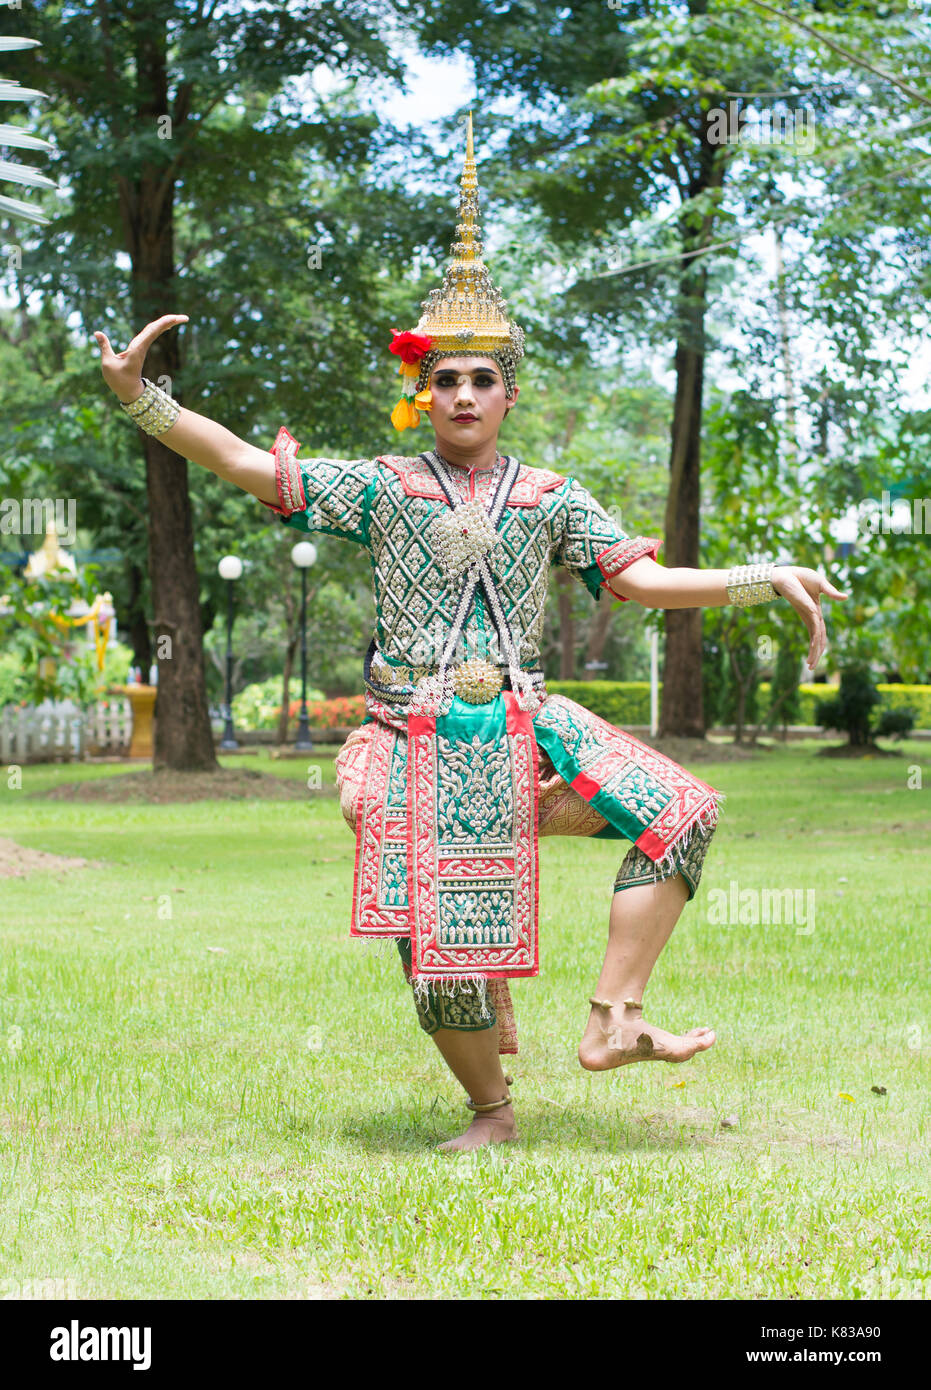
(451, 371)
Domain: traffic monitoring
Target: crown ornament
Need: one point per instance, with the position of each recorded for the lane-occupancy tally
(465, 316)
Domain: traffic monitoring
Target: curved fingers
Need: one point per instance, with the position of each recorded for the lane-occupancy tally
(146, 336)
(811, 615)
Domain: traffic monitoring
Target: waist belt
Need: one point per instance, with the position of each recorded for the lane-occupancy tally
(476, 680)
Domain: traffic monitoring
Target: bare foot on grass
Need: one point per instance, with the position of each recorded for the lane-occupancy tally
(497, 1127)
(614, 1037)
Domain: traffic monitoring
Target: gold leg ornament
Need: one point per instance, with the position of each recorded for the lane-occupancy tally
(492, 1105)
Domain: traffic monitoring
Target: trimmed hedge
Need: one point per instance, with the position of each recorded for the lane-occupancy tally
(628, 702)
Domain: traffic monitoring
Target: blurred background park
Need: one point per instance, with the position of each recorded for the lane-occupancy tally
(714, 228)
(714, 225)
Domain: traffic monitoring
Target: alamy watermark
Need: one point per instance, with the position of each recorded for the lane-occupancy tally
(32, 515)
(735, 124)
(753, 907)
(904, 516)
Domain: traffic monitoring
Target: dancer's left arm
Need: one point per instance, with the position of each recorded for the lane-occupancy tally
(653, 586)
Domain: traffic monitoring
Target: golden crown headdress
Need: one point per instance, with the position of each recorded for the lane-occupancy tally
(465, 317)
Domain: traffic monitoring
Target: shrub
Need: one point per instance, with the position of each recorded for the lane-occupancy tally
(259, 705)
(628, 702)
(341, 712)
(851, 709)
(895, 723)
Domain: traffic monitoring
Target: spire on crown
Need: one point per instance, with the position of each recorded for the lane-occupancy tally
(468, 309)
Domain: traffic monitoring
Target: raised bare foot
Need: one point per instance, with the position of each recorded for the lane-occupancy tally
(497, 1127)
(617, 1036)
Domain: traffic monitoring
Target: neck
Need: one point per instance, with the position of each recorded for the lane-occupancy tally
(477, 456)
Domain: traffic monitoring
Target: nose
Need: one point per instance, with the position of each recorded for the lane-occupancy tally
(464, 396)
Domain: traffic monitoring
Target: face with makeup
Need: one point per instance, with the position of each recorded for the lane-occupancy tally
(468, 404)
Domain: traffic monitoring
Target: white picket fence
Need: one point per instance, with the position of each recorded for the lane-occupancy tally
(60, 731)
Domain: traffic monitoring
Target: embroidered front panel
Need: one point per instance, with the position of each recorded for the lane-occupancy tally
(471, 833)
(473, 871)
(473, 794)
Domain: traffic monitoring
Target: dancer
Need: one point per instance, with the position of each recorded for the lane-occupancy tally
(463, 760)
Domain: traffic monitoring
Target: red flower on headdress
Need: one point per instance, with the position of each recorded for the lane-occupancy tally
(410, 347)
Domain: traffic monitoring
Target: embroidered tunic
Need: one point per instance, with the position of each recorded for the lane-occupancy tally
(446, 834)
(389, 506)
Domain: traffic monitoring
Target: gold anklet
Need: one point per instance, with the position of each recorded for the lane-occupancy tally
(492, 1105)
(607, 1004)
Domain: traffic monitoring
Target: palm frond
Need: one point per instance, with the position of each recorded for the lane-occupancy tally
(16, 138)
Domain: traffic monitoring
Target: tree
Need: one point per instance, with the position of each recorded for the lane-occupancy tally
(622, 121)
(138, 144)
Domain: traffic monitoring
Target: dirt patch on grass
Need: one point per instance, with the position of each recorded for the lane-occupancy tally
(864, 750)
(16, 861)
(227, 784)
(701, 750)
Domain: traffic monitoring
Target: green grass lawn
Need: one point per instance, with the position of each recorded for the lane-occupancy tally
(210, 1091)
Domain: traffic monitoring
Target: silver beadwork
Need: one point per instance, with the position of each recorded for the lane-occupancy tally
(461, 536)
(750, 584)
(154, 411)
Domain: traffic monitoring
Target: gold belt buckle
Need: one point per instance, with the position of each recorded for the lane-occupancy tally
(477, 680)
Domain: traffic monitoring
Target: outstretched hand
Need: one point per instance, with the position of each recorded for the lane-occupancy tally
(803, 588)
(122, 371)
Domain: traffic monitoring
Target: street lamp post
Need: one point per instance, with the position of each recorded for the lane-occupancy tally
(303, 556)
(230, 568)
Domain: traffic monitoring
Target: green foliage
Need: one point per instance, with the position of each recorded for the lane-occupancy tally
(784, 704)
(259, 705)
(895, 723)
(620, 702)
(15, 684)
(912, 697)
(850, 711)
(628, 702)
(55, 660)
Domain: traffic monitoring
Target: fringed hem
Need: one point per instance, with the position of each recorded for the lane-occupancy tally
(386, 943)
(453, 984)
(677, 854)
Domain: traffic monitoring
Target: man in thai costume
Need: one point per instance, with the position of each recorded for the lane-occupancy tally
(463, 760)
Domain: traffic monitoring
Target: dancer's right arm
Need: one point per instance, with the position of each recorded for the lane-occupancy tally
(193, 436)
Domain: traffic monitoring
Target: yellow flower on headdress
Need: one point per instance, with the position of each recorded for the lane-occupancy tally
(410, 347)
(404, 416)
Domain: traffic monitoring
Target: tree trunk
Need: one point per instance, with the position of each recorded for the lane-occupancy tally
(598, 635)
(785, 339)
(183, 738)
(564, 584)
(137, 628)
(681, 712)
(289, 652)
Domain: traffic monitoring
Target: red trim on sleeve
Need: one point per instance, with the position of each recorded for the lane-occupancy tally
(618, 556)
(288, 481)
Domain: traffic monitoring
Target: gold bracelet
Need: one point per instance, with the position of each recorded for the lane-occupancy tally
(154, 411)
(749, 584)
